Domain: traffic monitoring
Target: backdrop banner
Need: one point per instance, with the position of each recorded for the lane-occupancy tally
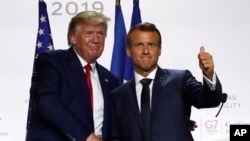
(221, 26)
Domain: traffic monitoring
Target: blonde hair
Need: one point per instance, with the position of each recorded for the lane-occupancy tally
(86, 17)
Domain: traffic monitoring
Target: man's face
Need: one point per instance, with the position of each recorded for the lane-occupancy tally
(144, 51)
(89, 40)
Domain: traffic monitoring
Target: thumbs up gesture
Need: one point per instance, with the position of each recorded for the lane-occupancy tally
(206, 63)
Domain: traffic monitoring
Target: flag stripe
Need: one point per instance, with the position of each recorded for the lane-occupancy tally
(136, 18)
(119, 49)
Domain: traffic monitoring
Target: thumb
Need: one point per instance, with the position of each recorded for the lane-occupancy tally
(202, 49)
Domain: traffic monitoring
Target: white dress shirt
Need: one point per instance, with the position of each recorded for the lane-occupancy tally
(138, 85)
(98, 101)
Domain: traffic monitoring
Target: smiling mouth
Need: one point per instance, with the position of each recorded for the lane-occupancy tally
(94, 47)
(147, 57)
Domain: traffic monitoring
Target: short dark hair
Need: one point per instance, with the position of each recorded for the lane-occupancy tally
(146, 26)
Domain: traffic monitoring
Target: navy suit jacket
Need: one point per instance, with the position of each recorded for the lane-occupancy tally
(173, 94)
(60, 108)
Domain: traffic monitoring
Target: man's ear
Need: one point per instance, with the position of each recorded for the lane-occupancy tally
(159, 52)
(73, 38)
(128, 51)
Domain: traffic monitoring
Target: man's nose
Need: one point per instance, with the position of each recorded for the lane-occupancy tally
(145, 49)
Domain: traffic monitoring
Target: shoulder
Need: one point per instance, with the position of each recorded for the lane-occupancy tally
(54, 58)
(104, 72)
(124, 88)
(174, 71)
(52, 54)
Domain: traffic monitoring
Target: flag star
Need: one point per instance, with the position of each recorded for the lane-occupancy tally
(39, 44)
(44, 40)
(50, 47)
(43, 19)
(40, 31)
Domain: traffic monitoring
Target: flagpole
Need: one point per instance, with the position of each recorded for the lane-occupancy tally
(117, 2)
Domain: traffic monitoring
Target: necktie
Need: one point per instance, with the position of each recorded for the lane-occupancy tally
(88, 78)
(145, 109)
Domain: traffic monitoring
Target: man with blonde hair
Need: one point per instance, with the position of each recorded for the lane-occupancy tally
(69, 94)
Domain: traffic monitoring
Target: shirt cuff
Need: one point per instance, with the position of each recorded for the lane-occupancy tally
(211, 84)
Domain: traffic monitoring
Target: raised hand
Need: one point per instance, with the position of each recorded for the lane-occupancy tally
(206, 63)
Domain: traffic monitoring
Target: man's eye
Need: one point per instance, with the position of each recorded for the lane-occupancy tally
(88, 33)
(152, 45)
(101, 34)
(138, 45)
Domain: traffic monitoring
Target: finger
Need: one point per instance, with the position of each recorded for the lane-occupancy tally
(202, 49)
(99, 136)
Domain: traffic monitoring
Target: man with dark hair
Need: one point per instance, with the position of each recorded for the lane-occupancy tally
(156, 104)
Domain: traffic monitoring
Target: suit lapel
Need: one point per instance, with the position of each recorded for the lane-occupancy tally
(104, 82)
(78, 77)
(160, 78)
(133, 99)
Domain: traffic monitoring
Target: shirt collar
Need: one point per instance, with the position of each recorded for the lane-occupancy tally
(84, 63)
(139, 77)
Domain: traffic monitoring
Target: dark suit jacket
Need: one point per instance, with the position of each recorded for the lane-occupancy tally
(173, 94)
(60, 108)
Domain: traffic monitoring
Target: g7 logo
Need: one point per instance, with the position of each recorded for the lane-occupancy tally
(211, 124)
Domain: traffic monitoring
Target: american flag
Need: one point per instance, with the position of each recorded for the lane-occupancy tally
(44, 40)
